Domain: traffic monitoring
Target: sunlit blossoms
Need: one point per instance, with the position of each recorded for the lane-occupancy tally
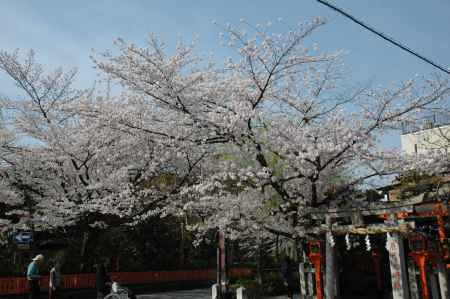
(249, 146)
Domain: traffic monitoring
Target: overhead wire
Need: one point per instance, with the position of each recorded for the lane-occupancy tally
(384, 36)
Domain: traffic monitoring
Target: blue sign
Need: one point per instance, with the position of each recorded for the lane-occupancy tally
(23, 237)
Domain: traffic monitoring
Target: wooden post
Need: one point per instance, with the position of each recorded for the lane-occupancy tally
(319, 286)
(301, 275)
(443, 280)
(412, 276)
(316, 257)
(398, 268)
(330, 265)
(441, 228)
(421, 264)
(337, 287)
(376, 259)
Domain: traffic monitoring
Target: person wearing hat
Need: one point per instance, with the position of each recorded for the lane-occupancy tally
(33, 276)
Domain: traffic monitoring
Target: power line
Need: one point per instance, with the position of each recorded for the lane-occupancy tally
(385, 37)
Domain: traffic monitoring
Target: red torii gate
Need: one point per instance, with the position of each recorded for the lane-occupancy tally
(421, 255)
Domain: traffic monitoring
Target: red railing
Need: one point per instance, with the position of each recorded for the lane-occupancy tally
(19, 285)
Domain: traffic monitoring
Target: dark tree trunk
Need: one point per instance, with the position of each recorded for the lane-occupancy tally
(181, 261)
(259, 263)
(313, 194)
(277, 249)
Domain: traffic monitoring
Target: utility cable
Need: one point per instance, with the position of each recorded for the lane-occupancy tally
(385, 37)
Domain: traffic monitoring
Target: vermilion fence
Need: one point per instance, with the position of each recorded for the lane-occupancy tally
(19, 285)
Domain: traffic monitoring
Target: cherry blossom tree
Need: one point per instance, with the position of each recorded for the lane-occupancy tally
(73, 165)
(275, 132)
(251, 145)
(8, 197)
(54, 166)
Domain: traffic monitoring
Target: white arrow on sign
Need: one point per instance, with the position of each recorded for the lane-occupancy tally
(23, 237)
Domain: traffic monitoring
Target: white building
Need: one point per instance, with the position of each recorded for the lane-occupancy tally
(433, 134)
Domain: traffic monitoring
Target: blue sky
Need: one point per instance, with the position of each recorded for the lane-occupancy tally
(65, 32)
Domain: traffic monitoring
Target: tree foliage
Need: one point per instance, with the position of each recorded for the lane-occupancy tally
(249, 145)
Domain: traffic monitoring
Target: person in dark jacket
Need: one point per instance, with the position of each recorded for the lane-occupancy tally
(288, 277)
(55, 281)
(101, 281)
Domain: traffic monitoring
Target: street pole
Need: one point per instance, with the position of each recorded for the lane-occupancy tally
(219, 276)
(221, 264)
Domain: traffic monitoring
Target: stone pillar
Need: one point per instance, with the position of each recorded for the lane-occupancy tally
(311, 287)
(302, 276)
(330, 269)
(443, 280)
(215, 291)
(398, 267)
(412, 276)
(241, 293)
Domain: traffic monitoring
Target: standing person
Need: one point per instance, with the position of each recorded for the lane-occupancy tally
(33, 276)
(288, 279)
(101, 279)
(55, 280)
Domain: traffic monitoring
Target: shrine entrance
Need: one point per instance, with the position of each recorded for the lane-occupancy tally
(362, 273)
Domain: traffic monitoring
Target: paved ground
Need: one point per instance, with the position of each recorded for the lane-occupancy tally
(188, 294)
